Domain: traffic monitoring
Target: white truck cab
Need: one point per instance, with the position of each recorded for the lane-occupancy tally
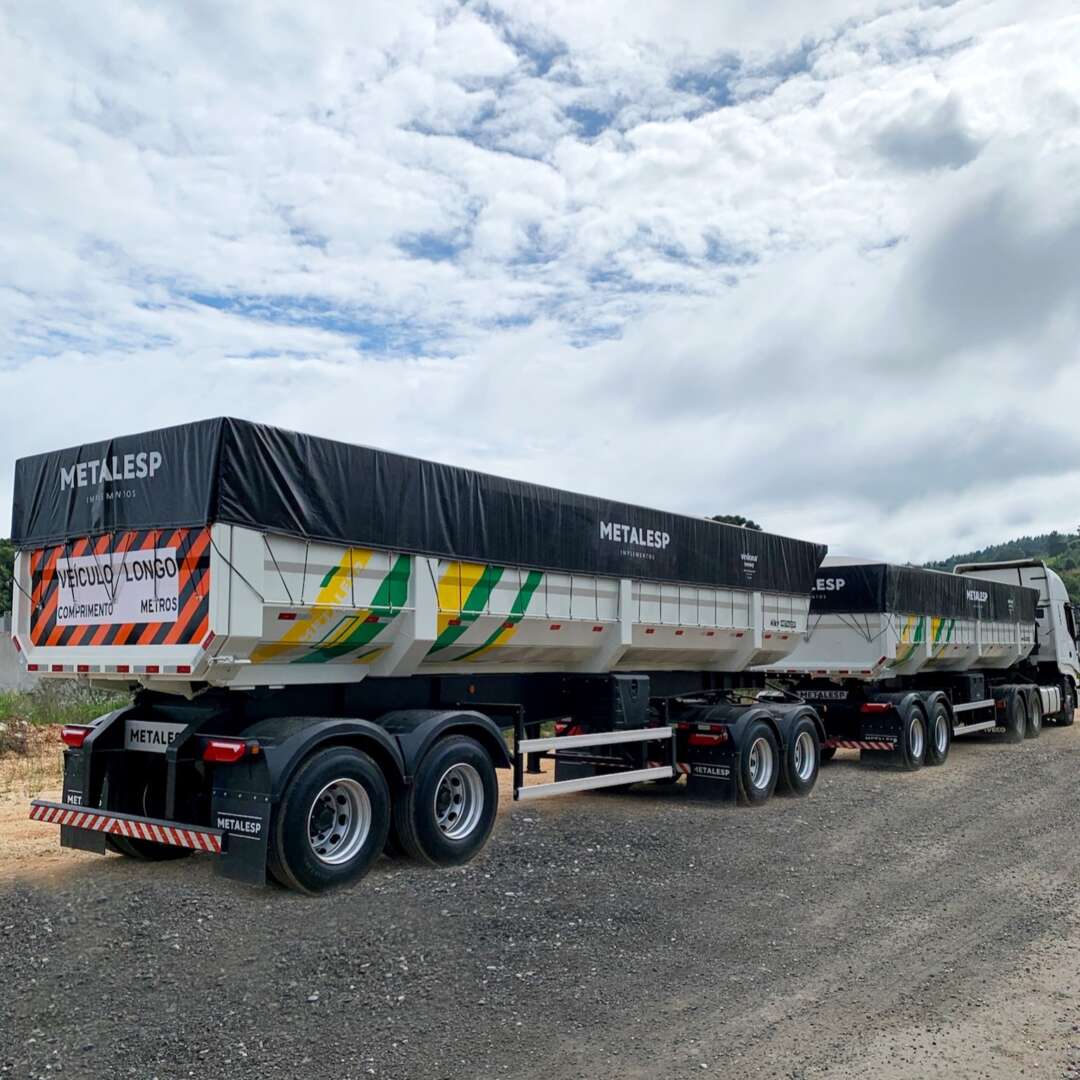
(1055, 642)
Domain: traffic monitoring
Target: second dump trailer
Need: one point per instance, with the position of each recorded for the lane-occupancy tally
(326, 643)
(899, 659)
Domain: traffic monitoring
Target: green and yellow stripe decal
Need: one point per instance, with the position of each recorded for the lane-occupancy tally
(333, 589)
(517, 612)
(912, 636)
(346, 633)
(942, 632)
(464, 591)
(355, 631)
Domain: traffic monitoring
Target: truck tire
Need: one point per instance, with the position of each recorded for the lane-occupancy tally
(759, 764)
(1015, 716)
(1068, 706)
(446, 815)
(143, 804)
(912, 748)
(939, 734)
(331, 823)
(801, 758)
(1033, 728)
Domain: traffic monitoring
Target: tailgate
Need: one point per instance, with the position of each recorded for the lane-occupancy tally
(128, 602)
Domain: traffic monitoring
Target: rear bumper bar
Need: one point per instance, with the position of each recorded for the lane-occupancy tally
(197, 838)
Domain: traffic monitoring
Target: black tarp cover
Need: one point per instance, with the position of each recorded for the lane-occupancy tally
(910, 590)
(240, 473)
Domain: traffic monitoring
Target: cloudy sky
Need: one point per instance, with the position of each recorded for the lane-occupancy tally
(816, 263)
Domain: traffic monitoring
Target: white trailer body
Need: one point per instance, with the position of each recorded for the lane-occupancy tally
(901, 659)
(243, 609)
(876, 645)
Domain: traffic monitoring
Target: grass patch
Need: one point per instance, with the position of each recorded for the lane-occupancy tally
(50, 703)
(31, 754)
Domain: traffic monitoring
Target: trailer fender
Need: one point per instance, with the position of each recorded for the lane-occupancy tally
(417, 729)
(289, 740)
(1068, 702)
(882, 718)
(740, 718)
(1010, 702)
(786, 716)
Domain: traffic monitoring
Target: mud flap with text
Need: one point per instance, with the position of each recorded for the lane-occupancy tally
(244, 817)
(713, 780)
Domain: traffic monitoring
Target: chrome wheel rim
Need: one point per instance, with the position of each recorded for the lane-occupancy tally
(1036, 717)
(804, 756)
(916, 738)
(459, 801)
(761, 763)
(941, 733)
(339, 821)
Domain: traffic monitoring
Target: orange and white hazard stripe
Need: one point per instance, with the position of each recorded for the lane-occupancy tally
(130, 827)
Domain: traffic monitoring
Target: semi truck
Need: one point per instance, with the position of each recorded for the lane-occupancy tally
(899, 660)
(327, 646)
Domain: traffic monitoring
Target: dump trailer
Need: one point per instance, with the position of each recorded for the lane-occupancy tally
(899, 659)
(328, 647)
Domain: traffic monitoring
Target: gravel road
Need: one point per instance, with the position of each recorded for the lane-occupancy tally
(889, 926)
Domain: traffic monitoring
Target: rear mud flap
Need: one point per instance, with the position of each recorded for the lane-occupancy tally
(82, 839)
(245, 820)
(74, 782)
(713, 780)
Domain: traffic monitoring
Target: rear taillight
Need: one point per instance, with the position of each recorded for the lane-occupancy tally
(224, 751)
(15, 642)
(74, 735)
(701, 739)
(875, 706)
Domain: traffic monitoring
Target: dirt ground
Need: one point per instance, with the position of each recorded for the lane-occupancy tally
(890, 926)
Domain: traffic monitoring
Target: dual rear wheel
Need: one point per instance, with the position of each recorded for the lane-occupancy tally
(765, 765)
(338, 812)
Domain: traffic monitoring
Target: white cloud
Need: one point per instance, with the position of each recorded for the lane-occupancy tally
(817, 264)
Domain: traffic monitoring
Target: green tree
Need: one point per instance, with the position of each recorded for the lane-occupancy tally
(736, 519)
(7, 575)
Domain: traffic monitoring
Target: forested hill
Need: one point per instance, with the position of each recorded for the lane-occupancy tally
(1060, 551)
